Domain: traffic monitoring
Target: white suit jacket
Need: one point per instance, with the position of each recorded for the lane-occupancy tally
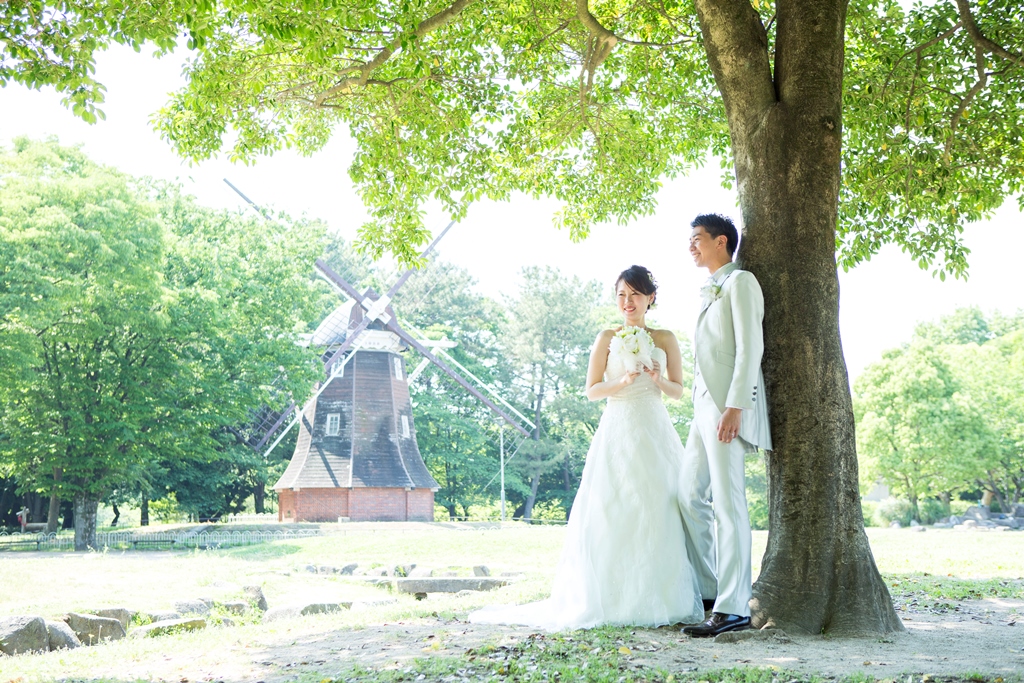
(728, 345)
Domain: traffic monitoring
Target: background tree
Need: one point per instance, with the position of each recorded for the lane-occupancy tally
(147, 324)
(456, 100)
(986, 353)
(915, 427)
(548, 335)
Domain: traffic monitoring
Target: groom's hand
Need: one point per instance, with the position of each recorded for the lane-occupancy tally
(729, 425)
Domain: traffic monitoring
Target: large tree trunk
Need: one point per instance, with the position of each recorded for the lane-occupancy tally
(85, 522)
(144, 512)
(53, 512)
(818, 574)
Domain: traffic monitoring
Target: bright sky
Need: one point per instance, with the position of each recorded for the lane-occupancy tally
(881, 301)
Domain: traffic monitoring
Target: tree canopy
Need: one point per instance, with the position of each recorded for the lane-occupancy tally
(143, 327)
(591, 103)
(942, 415)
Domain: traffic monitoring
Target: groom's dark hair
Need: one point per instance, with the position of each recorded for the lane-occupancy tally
(716, 225)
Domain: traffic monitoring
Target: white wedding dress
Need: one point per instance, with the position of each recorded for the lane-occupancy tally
(624, 560)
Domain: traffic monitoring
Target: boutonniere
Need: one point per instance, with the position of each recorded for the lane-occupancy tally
(711, 292)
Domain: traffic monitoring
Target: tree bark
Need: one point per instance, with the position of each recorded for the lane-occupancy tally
(85, 522)
(68, 510)
(144, 512)
(531, 499)
(53, 512)
(818, 574)
(259, 497)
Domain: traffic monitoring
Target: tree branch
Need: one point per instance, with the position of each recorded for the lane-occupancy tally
(980, 40)
(429, 25)
(737, 49)
(979, 62)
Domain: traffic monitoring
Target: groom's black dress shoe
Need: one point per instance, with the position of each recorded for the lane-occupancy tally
(718, 623)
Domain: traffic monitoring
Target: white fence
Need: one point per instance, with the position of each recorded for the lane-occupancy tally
(124, 540)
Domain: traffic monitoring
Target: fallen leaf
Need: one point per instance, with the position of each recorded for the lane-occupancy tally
(625, 650)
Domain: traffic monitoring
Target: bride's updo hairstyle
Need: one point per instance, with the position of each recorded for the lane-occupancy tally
(640, 280)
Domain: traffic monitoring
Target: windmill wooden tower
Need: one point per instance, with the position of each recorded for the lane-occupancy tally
(356, 455)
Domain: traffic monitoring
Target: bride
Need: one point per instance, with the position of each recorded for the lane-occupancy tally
(624, 560)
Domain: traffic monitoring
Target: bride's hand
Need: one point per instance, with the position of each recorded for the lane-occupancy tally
(654, 372)
(629, 377)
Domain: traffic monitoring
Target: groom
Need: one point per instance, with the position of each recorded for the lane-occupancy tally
(730, 419)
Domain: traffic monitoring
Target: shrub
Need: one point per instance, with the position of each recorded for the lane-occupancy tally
(757, 490)
(931, 510)
(868, 510)
(167, 509)
(893, 509)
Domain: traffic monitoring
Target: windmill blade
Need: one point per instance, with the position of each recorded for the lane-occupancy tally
(442, 353)
(374, 310)
(275, 426)
(413, 342)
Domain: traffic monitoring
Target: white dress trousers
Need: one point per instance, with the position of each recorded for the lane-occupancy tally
(713, 503)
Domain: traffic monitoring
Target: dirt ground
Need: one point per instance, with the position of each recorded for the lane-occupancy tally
(974, 637)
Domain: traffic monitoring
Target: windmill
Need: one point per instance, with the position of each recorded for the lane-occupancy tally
(356, 454)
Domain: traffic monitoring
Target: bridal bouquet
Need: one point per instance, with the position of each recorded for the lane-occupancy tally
(633, 346)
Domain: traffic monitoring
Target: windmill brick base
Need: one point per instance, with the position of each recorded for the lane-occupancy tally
(356, 504)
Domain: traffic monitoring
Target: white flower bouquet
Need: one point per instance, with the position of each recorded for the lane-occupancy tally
(633, 346)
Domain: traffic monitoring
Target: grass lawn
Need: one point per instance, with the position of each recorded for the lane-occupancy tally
(933, 567)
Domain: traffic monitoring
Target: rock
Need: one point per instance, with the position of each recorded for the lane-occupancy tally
(1008, 522)
(376, 571)
(292, 611)
(237, 607)
(1017, 510)
(916, 528)
(311, 568)
(421, 573)
(255, 595)
(954, 520)
(122, 614)
(91, 629)
(942, 525)
(209, 602)
(162, 616)
(481, 570)
(895, 524)
(23, 634)
(163, 628)
(449, 584)
(186, 607)
(420, 596)
(914, 522)
(349, 569)
(227, 622)
(61, 637)
(326, 569)
(969, 524)
(977, 513)
(403, 570)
